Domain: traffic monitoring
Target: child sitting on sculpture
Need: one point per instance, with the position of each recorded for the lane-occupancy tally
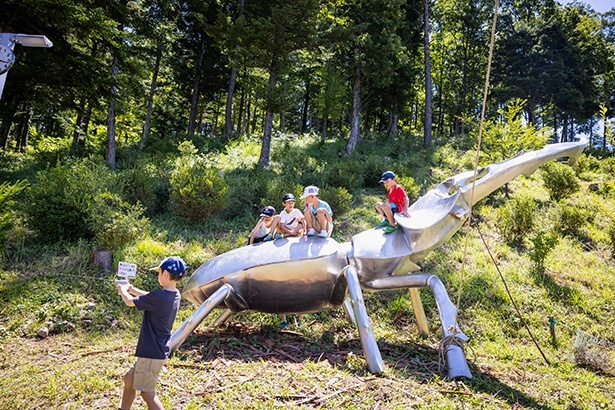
(398, 202)
(291, 219)
(265, 228)
(318, 214)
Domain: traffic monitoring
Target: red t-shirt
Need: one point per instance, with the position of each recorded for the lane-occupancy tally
(397, 196)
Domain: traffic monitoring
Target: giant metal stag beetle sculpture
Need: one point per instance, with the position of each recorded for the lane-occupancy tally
(301, 275)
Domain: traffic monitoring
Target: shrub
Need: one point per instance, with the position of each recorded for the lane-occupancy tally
(60, 200)
(560, 180)
(338, 198)
(543, 243)
(114, 222)
(8, 193)
(197, 191)
(571, 219)
(343, 173)
(147, 184)
(611, 235)
(410, 186)
(515, 218)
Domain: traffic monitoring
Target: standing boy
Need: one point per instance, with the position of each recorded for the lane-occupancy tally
(291, 219)
(159, 308)
(398, 202)
(318, 214)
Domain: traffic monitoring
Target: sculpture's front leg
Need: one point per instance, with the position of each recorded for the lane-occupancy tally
(368, 341)
(186, 328)
(453, 337)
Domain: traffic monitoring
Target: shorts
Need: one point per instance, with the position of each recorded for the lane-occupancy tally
(146, 373)
(393, 207)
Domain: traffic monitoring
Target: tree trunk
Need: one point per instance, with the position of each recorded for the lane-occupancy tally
(306, 104)
(266, 147)
(393, 120)
(355, 118)
(228, 116)
(150, 98)
(7, 121)
(110, 152)
(427, 126)
(194, 103)
(25, 130)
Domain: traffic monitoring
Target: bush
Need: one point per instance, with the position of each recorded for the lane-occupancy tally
(515, 218)
(571, 219)
(114, 222)
(8, 193)
(543, 243)
(338, 198)
(60, 200)
(560, 180)
(410, 186)
(343, 173)
(147, 184)
(197, 191)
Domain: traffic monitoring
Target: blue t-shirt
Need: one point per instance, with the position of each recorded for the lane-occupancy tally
(321, 205)
(159, 311)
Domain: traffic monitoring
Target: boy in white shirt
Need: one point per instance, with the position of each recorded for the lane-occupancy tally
(291, 219)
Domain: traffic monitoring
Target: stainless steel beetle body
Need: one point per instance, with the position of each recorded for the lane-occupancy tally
(301, 275)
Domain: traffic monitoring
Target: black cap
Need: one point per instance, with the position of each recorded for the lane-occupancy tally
(268, 211)
(288, 197)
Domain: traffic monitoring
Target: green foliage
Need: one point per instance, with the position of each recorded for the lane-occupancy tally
(115, 223)
(503, 140)
(246, 189)
(560, 180)
(543, 244)
(611, 235)
(148, 185)
(8, 196)
(343, 174)
(515, 219)
(338, 198)
(197, 190)
(61, 199)
(410, 186)
(571, 219)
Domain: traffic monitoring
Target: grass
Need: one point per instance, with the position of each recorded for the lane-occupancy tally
(250, 363)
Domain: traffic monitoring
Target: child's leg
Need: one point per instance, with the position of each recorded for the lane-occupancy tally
(309, 218)
(128, 396)
(152, 401)
(274, 225)
(388, 213)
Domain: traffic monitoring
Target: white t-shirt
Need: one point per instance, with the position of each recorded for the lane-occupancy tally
(290, 220)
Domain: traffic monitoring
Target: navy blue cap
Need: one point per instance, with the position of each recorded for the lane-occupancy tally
(268, 211)
(174, 265)
(386, 175)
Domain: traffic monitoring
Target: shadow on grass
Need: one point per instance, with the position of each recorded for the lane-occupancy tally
(409, 360)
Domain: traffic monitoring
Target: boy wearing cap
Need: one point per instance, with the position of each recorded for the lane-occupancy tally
(318, 215)
(159, 308)
(398, 202)
(291, 219)
(265, 228)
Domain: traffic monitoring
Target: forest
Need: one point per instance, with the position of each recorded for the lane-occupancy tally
(161, 127)
(148, 74)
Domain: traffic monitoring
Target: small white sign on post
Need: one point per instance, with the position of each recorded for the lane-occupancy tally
(127, 270)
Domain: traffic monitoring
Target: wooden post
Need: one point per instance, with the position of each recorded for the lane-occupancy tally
(103, 258)
(419, 312)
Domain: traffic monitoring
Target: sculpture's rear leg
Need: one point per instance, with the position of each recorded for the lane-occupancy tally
(368, 342)
(453, 337)
(186, 328)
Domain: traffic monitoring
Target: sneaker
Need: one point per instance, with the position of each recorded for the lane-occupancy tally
(390, 229)
(268, 238)
(384, 222)
(323, 234)
(279, 235)
(311, 232)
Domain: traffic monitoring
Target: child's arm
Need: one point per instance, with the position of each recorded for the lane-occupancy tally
(253, 233)
(122, 290)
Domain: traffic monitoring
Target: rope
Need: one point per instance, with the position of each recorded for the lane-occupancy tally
(480, 137)
(446, 343)
(510, 296)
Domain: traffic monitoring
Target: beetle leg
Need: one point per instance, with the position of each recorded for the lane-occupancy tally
(186, 328)
(368, 341)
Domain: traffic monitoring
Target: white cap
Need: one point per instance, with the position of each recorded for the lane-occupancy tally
(309, 190)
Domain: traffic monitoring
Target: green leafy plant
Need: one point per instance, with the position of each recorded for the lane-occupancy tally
(543, 244)
(560, 180)
(515, 219)
(8, 194)
(338, 198)
(197, 190)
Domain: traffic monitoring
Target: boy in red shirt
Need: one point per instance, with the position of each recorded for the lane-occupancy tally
(398, 202)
